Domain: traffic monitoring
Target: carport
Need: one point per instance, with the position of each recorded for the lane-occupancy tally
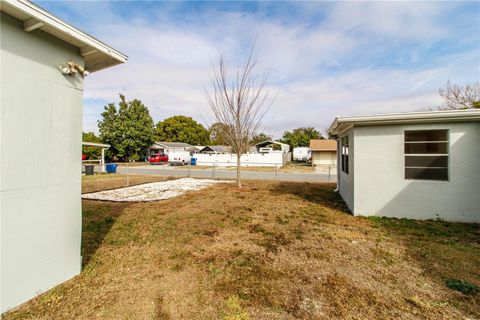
(101, 161)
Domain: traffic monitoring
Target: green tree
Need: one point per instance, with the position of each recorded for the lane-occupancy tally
(260, 138)
(91, 152)
(300, 137)
(182, 129)
(129, 129)
(109, 129)
(218, 134)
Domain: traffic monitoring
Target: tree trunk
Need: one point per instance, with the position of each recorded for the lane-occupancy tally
(239, 182)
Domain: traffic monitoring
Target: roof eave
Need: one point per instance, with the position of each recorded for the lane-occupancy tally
(106, 55)
(342, 124)
(94, 144)
(271, 141)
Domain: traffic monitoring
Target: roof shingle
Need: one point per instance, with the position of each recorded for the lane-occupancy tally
(323, 145)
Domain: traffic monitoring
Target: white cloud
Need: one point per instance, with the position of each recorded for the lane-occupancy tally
(401, 20)
(169, 61)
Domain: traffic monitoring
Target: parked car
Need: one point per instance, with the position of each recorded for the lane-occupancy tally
(179, 158)
(158, 159)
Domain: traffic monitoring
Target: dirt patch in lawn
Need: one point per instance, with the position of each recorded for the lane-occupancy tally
(267, 251)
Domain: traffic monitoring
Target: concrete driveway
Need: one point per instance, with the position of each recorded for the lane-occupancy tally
(222, 173)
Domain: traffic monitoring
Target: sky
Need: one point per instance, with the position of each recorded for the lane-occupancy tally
(325, 59)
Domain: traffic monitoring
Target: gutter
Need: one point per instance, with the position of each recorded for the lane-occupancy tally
(341, 124)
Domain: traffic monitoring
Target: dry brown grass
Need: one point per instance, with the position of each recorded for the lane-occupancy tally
(268, 251)
(132, 164)
(298, 167)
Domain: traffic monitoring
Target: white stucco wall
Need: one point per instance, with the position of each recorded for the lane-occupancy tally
(381, 188)
(40, 185)
(346, 180)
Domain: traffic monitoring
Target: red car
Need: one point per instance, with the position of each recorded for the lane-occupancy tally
(158, 159)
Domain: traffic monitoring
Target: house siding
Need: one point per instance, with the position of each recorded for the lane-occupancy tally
(40, 185)
(381, 188)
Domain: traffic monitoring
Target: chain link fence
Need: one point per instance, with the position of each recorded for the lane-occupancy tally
(228, 171)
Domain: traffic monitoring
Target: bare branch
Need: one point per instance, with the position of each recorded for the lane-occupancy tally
(241, 105)
(457, 97)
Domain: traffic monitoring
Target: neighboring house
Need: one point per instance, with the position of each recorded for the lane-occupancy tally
(420, 165)
(324, 152)
(41, 106)
(195, 149)
(167, 147)
(272, 146)
(216, 150)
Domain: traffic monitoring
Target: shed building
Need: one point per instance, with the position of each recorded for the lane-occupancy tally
(324, 152)
(419, 165)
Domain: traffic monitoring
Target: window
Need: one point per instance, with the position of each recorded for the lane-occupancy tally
(426, 155)
(344, 153)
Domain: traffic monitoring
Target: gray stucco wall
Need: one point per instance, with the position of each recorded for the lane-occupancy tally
(381, 188)
(40, 186)
(346, 181)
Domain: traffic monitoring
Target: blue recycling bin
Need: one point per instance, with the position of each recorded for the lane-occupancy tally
(193, 162)
(111, 168)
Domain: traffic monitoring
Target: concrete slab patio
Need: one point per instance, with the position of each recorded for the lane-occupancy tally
(152, 191)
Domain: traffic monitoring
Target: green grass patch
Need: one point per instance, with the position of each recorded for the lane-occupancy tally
(464, 287)
(234, 310)
(426, 229)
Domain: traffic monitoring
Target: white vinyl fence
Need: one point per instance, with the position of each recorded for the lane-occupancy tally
(274, 159)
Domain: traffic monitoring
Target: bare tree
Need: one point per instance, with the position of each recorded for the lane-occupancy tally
(239, 104)
(457, 97)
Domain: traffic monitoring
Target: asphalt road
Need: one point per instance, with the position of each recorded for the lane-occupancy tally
(219, 173)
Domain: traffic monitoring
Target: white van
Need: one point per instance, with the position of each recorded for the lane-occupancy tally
(179, 158)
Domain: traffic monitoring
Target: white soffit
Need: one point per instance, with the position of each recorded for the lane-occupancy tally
(97, 55)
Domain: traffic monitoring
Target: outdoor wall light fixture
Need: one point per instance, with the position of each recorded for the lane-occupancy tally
(72, 68)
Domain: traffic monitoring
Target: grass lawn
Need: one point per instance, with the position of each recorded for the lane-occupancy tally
(272, 250)
(286, 168)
